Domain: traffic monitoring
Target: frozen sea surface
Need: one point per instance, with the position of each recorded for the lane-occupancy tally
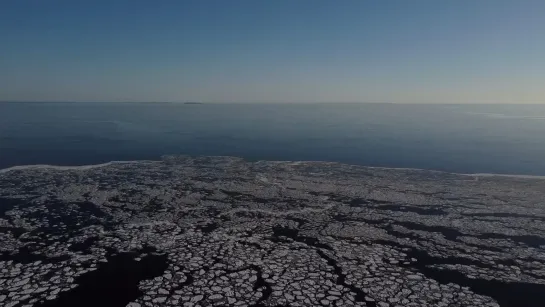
(221, 231)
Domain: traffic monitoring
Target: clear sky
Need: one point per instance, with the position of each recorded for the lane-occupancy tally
(430, 51)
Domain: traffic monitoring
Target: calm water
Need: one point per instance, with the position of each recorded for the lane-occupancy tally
(467, 139)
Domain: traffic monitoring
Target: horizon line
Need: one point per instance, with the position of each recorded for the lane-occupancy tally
(273, 102)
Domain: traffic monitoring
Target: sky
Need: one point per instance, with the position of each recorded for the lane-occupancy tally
(419, 51)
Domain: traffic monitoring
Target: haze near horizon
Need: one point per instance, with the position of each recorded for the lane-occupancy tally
(273, 51)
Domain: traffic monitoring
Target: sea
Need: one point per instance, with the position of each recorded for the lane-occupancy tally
(498, 139)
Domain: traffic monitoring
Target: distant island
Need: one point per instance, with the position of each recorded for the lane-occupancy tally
(191, 102)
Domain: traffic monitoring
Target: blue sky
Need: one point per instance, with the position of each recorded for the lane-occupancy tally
(429, 51)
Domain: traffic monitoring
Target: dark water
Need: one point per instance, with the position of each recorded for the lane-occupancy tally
(114, 283)
(467, 139)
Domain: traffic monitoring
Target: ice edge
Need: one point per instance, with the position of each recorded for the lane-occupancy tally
(91, 166)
